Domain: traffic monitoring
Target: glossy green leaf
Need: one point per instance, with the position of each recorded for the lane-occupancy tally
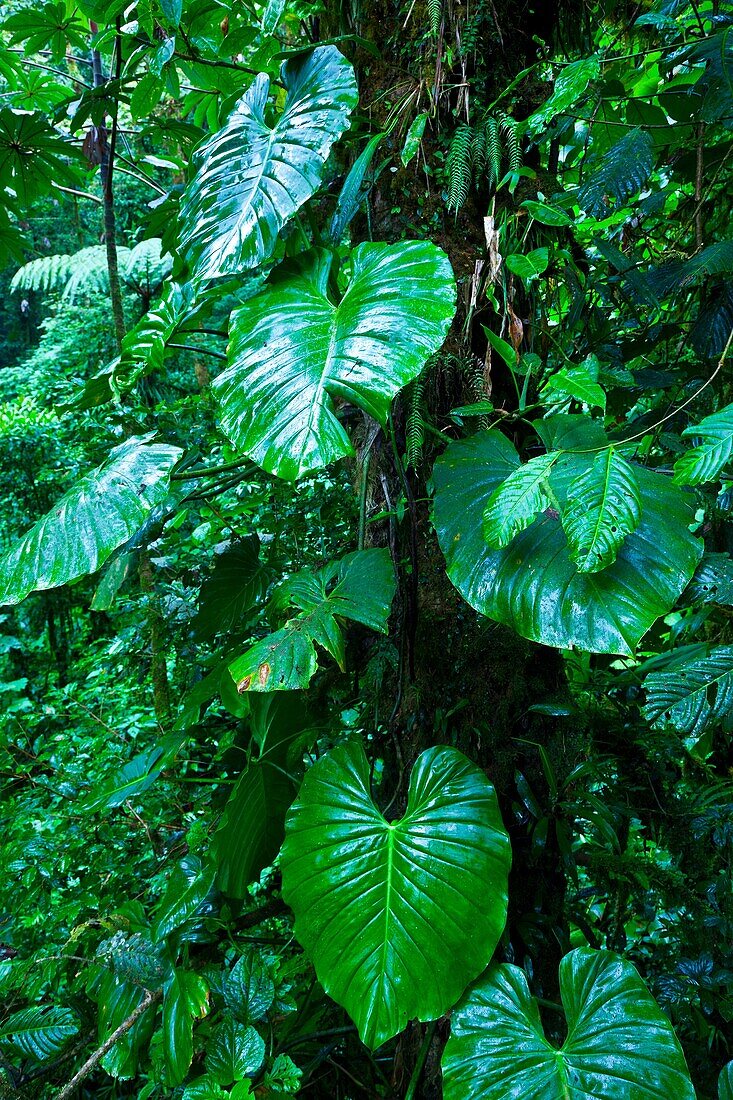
(40, 1033)
(354, 191)
(250, 990)
(293, 352)
(712, 581)
(132, 779)
(271, 15)
(503, 347)
(252, 826)
(705, 461)
(619, 1044)
(101, 512)
(692, 696)
(725, 1083)
(252, 177)
(546, 215)
(360, 587)
(117, 1000)
(571, 83)
(34, 158)
(413, 138)
(396, 916)
(530, 266)
(234, 1052)
(603, 507)
(185, 999)
(237, 583)
(532, 585)
(578, 383)
(187, 889)
(514, 504)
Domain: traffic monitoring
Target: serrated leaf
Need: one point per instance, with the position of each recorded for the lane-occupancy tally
(249, 990)
(604, 507)
(293, 353)
(398, 916)
(101, 512)
(514, 504)
(705, 461)
(532, 585)
(39, 1033)
(251, 178)
(620, 1044)
(286, 660)
(234, 1052)
(693, 696)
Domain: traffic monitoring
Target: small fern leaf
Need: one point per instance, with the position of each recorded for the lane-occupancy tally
(459, 167)
(604, 507)
(693, 696)
(415, 431)
(514, 504)
(511, 138)
(704, 462)
(624, 170)
(435, 10)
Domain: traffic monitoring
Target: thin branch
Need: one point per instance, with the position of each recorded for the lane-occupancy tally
(151, 997)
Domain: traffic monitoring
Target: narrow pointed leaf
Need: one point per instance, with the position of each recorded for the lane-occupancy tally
(705, 461)
(533, 585)
(515, 503)
(397, 917)
(604, 507)
(693, 696)
(293, 353)
(620, 1044)
(101, 512)
(252, 177)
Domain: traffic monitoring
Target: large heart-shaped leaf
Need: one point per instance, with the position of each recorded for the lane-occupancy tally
(396, 916)
(293, 352)
(252, 177)
(101, 512)
(286, 660)
(619, 1044)
(533, 585)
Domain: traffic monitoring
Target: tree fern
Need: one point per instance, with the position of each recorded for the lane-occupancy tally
(459, 165)
(85, 272)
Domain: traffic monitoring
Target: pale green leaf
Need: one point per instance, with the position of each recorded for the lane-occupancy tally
(293, 353)
(603, 507)
(396, 916)
(251, 178)
(101, 512)
(514, 504)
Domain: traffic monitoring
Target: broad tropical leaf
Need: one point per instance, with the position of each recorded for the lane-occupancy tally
(712, 581)
(619, 1045)
(532, 585)
(249, 990)
(252, 826)
(692, 696)
(396, 916)
(237, 583)
(603, 507)
(286, 660)
(623, 170)
(186, 892)
(293, 353)
(705, 461)
(725, 1083)
(33, 157)
(252, 177)
(185, 999)
(39, 1033)
(234, 1052)
(571, 83)
(117, 1000)
(514, 504)
(97, 515)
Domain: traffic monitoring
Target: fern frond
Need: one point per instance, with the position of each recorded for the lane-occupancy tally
(85, 271)
(435, 10)
(415, 430)
(493, 150)
(511, 138)
(479, 151)
(145, 268)
(459, 166)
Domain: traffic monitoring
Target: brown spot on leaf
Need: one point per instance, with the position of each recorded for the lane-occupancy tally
(243, 685)
(263, 673)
